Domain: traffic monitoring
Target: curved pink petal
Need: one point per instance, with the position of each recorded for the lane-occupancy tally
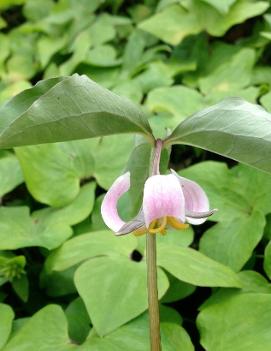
(196, 200)
(163, 196)
(109, 209)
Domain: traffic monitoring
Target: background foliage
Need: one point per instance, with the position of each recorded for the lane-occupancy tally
(66, 281)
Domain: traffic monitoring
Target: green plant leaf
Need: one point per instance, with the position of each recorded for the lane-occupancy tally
(233, 128)
(195, 268)
(238, 322)
(135, 333)
(47, 227)
(78, 320)
(114, 290)
(242, 196)
(47, 324)
(10, 172)
(90, 245)
(6, 318)
(68, 108)
(222, 6)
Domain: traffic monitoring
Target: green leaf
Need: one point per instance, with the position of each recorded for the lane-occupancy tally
(10, 172)
(78, 320)
(195, 268)
(89, 245)
(267, 260)
(254, 282)
(21, 287)
(242, 196)
(114, 290)
(232, 242)
(68, 108)
(135, 334)
(178, 100)
(47, 324)
(222, 6)
(53, 172)
(47, 227)
(172, 24)
(233, 128)
(6, 318)
(222, 325)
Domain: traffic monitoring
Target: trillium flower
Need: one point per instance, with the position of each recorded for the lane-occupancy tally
(168, 200)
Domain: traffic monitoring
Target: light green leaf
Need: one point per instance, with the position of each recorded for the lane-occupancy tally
(253, 281)
(195, 268)
(266, 101)
(90, 245)
(233, 128)
(223, 78)
(222, 6)
(47, 324)
(6, 318)
(114, 290)
(239, 322)
(135, 334)
(233, 241)
(53, 172)
(178, 100)
(47, 227)
(242, 196)
(10, 172)
(68, 108)
(172, 24)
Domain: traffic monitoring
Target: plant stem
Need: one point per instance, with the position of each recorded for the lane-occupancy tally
(154, 318)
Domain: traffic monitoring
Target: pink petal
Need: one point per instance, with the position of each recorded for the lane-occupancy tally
(162, 197)
(109, 209)
(196, 200)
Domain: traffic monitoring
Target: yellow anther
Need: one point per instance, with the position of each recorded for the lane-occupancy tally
(159, 229)
(140, 231)
(176, 224)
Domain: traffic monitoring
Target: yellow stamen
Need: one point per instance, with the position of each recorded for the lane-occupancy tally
(160, 229)
(176, 224)
(140, 231)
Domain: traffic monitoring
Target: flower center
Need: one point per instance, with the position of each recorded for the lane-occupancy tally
(159, 226)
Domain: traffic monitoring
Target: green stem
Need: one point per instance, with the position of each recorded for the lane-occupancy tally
(154, 318)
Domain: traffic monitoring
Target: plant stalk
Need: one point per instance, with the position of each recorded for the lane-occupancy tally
(154, 318)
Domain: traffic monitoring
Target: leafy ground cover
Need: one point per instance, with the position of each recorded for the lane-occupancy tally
(66, 281)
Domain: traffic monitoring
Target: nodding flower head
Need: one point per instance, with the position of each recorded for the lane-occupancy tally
(168, 200)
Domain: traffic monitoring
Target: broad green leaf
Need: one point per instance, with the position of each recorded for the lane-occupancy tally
(253, 281)
(134, 336)
(114, 290)
(178, 100)
(90, 245)
(47, 227)
(195, 268)
(222, 6)
(6, 317)
(242, 196)
(172, 24)
(233, 128)
(238, 322)
(10, 172)
(47, 324)
(232, 242)
(177, 290)
(67, 109)
(78, 320)
(58, 284)
(52, 172)
(13, 89)
(223, 78)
